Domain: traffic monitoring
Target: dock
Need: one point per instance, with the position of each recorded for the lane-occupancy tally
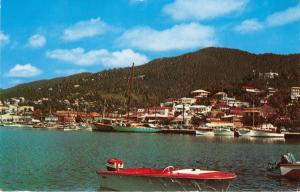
(178, 131)
(292, 135)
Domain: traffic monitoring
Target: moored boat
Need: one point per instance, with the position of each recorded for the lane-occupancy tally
(241, 131)
(223, 131)
(104, 125)
(204, 131)
(265, 130)
(167, 179)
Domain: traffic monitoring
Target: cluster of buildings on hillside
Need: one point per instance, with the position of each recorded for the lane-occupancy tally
(217, 106)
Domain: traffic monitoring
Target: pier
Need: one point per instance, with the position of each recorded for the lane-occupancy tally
(292, 135)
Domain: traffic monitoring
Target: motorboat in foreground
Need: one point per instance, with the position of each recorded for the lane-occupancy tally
(167, 179)
(289, 166)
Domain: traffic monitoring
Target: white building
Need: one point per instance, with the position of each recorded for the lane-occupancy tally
(200, 109)
(187, 100)
(295, 93)
(200, 93)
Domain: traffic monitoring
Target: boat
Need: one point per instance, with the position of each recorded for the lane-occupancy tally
(135, 127)
(289, 166)
(223, 131)
(161, 179)
(85, 126)
(104, 125)
(243, 131)
(71, 127)
(204, 131)
(39, 125)
(265, 130)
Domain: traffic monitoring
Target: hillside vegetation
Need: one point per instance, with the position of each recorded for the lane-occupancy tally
(212, 69)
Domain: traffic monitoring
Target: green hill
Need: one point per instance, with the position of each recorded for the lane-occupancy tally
(212, 69)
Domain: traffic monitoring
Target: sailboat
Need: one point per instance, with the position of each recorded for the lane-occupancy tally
(128, 126)
(264, 130)
(105, 124)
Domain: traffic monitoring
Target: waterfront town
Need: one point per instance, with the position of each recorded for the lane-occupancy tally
(203, 109)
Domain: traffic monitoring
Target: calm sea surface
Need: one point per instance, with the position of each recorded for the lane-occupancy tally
(36, 159)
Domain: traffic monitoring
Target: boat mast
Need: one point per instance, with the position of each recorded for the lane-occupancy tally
(183, 124)
(130, 81)
(103, 112)
(253, 111)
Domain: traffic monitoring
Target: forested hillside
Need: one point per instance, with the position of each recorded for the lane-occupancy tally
(212, 69)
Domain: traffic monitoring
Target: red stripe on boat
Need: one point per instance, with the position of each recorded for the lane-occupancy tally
(152, 172)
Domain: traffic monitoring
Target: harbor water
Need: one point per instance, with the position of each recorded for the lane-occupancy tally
(40, 159)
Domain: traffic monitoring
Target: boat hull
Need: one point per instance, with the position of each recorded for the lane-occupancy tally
(218, 132)
(204, 133)
(102, 127)
(256, 133)
(142, 183)
(290, 171)
(135, 129)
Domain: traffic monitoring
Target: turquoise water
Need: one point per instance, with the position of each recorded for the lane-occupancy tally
(36, 159)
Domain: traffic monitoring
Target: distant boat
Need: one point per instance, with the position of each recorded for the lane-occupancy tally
(242, 131)
(204, 131)
(71, 127)
(223, 131)
(265, 130)
(117, 178)
(105, 125)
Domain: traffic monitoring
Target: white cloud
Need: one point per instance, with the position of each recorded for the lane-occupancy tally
(102, 57)
(202, 9)
(36, 41)
(178, 37)
(69, 71)
(84, 29)
(249, 26)
(289, 15)
(26, 70)
(4, 39)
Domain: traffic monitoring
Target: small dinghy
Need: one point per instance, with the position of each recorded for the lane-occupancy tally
(167, 179)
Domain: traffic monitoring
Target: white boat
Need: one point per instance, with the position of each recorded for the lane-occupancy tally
(265, 130)
(204, 131)
(223, 131)
(243, 131)
(289, 166)
(117, 178)
(71, 128)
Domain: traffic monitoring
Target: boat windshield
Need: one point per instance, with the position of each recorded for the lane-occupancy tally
(288, 158)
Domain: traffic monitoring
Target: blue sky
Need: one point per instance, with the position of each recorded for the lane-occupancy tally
(46, 39)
